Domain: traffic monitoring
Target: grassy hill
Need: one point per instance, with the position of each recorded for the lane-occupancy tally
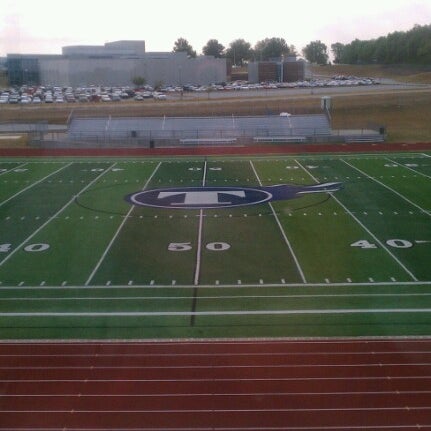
(403, 73)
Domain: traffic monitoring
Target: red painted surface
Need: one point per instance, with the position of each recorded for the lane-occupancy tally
(286, 384)
(216, 150)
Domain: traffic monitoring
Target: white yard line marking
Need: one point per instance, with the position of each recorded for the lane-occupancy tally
(12, 169)
(200, 229)
(34, 184)
(366, 229)
(387, 187)
(283, 233)
(118, 231)
(219, 313)
(175, 298)
(55, 215)
(408, 167)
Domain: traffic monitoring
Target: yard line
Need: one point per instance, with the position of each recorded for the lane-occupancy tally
(387, 187)
(55, 215)
(34, 184)
(219, 313)
(283, 233)
(408, 167)
(366, 229)
(175, 298)
(12, 169)
(200, 228)
(119, 230)
(198, 253)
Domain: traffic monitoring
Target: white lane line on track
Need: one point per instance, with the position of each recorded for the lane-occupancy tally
(250, 366)
(102, 258)
(215, 354)
(213, 379)
(215, 394)
(171, 411)
(366, 229)
(283, 233)
(12, 253)
(34, 184)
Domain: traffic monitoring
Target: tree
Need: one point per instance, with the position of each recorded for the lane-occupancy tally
(337, 51)
(182, 45)
(239, 51)
(213, 47)
(273, 47)
(139, 81)
(316, 52)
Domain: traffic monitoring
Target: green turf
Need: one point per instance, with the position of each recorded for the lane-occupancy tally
(78, 261)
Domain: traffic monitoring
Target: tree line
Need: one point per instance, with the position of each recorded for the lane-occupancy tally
(240, 51)
(408, 47)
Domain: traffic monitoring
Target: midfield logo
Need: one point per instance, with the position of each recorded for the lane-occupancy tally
(223, 197)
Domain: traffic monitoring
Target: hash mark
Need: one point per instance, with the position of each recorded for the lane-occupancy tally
(349, 280)
(130, 283)
(21, 284)
(174, 282)
(327, 280)
(283, 281)
(108, 283)
(239, 282)
(152, 283)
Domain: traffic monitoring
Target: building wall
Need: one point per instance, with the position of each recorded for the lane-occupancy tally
(165, 68)
(293, 71)
(114, 64)
(271, 71)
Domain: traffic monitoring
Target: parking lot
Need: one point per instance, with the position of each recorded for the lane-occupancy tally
(36, 95)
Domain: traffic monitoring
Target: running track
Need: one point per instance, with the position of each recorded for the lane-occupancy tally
(338, 384)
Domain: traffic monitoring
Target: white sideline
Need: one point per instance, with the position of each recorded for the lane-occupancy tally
(118, 231)
(281, 230)
(365, 228)
(219, 313)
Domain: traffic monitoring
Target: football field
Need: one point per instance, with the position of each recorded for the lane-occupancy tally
(277, 246)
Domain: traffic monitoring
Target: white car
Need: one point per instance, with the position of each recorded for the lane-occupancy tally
(159, 96)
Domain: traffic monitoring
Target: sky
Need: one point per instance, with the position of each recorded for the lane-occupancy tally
(44, 26)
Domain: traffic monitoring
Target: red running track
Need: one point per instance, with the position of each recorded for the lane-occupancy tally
(217, 150)
(217, 385)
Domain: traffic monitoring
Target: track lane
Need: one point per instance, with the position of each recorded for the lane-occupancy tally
(317, 384)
